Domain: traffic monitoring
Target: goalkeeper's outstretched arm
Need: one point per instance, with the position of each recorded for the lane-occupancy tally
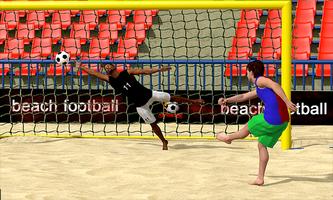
(92, 72)
(147, 70)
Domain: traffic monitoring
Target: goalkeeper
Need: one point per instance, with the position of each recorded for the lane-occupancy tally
(125, 83)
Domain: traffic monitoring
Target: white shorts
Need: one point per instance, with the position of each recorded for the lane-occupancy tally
(145, 112)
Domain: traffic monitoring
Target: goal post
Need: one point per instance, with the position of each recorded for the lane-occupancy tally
(284, 5)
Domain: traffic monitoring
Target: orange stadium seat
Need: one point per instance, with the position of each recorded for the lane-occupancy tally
(48, 13)
(325, 70)
(304, 16)
(11, 18)
(36, 17)
(326, 30)
(109, 31)
(136, 31)
(154, 12)
(25, 32)
(62, 17)
(272, 30)
(303, 30)
(129, 46)
(301, 45)
(328, 4)
(80, 31)
(101, 12)
(3, 33)
(242, 45)
(22, 13)
(43, 46)
(29, 69)
(117, 16)
(247, 30)
(74, 12)
(15, 47)
(274, 16)
(327, 16)
(306, 5)
(4, 68)
(101, 46)
(251, 16)
(52, 31)
(89, 17)
(143, 17)
(71, 46)
(271, 45)
(326, 45)
(299, 67)
(236, 69)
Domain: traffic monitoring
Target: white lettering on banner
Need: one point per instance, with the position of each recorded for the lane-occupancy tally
(303, 109)
(90, 106)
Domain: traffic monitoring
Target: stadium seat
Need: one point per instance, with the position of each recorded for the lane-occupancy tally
(29, 69)
(272, 30)
(129, 46)
(117, 16)
(270, 69)
(36, 17)
(300, 68)
(304, 16)
(71, 46)
(325, 70)
(74, 12)
(3, 33)
(303, 31)
(43, 46)
(62, 17)
(271, 45)
(247, 30)
(326, 30)
(25, 32)
(306, 5)
(80, 31)
(328, 4)
(15, 47)
(109, 31)
(11, 18)
(89, 17)
(154, 12)
(22, 13)
(4, 68)
(327, 16)
(251, 16)
(120, 56)
(326, 45)
(274, 16)
(143, 17)
(301, 45)
(101, 46)
(136, 31)
(52, 31)
(89, 56)
(101, 12)
(236, 69)
(242, 45)
(48, 13)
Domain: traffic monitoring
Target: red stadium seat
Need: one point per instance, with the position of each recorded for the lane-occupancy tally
(71, 46)
(247, 30)
(43, 46)
(48, 13)
(29, 69)
(4, 68)
(325, 70)
(101, 46)
(300, 68)
(272, 30)
(129, 46)
(136, 31)
(271, 45)
(89, 56)
(11, 18)
(301, 45)
(306, 5)
(101, 12)
(154, 12)
(109, 31)
(326, 30)
(36, 17)
(143, 17)
(242, 45)
(25, 32)
(52, 31)
(15, 47)
(117, 16)
(120, 56)
(328, 4)
(326, 45)
(251, 16)
(22, 13)
(80, 31)
(236, 69)
(327, 16)
(128, 12)
(62, 17)
(89, 17)
(74, 12)
(304, 16)
(3, 33)
(302, 30)
(274, 16)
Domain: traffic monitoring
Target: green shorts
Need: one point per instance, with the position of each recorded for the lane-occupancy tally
(267, 134)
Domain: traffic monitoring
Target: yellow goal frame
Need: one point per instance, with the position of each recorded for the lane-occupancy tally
(285, 5)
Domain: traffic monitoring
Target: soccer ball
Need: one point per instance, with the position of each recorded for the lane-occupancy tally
(62, 58)
(172, 107)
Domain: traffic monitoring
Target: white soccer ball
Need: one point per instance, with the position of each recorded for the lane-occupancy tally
(62, 58)
(172, 107)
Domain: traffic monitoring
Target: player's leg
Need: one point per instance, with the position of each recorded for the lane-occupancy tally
(244, 132)
(263, 160)
(149, 118)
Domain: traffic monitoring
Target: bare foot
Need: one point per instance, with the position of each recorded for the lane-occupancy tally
(258, 182)
(224, 138)
(165, 145)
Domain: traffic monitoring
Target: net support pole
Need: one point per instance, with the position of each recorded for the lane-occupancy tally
(286, 65)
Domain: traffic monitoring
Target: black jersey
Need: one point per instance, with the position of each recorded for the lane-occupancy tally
(128, 86)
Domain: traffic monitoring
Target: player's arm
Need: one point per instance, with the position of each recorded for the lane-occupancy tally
(238, 98)
(92, 72)
(147, 70)
(266, 82)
